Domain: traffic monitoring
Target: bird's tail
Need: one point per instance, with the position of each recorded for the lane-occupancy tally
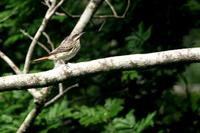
(40, 59)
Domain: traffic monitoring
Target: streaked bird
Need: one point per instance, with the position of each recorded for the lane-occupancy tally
(68, 48)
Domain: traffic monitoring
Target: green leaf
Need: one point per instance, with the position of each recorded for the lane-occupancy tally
(144, 123)
(59, 18)
(129, 124)
(129, 75)
(130, 118)
(97, 114)
(57, 111)
(138, 38)
(114, 106)
(12, 39)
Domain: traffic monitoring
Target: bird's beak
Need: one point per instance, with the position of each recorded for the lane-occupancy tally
(80, 34)
(77, 36)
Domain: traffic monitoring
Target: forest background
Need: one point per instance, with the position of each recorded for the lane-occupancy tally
(161, 99)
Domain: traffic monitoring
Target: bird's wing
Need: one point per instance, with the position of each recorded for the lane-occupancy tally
(61, 49)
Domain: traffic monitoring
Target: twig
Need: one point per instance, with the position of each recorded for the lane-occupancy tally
(127, 7)
(101, 25)
(49, 40)
(47, 3)
(39, 43)
(10, 63)
(48, 15)
(61, 88)
(114, 15)
(66, 13)
(60, 13)
(111, 7)
(57, 97)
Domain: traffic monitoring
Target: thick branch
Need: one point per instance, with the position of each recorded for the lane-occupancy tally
(64, 72)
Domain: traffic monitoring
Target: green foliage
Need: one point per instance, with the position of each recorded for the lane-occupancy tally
(129, 124)
(195, 102)
(129, 75)
(193, 5)
(98, 114)
(192, 73)
(180, 108)
(106, 115)
(52, 118)
(85, 115)
(13, 110)
(13, 39)
(137, 38)
(59, 18)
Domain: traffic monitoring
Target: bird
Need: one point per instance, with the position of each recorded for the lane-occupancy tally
(68, 48)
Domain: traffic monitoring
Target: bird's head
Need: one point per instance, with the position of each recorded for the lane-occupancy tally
(75, 37)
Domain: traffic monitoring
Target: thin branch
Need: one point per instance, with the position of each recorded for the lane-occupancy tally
(39, 43)
(127, 7)
(10, 63)
(49, 40)
(66, 13)
(48, 15)
(111, 7)
(101, 25)
(35, 93)
(114, 15)
(64, 72)
(61, 88)
(98, 16)
(29, 120)
(55, 7)
(47, 3)
(57, 97)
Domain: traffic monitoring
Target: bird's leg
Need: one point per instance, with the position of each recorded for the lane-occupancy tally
(59, 62)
